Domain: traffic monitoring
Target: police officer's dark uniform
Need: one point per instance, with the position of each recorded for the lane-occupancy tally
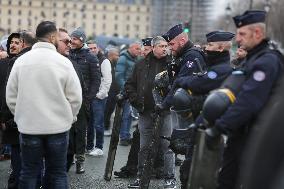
(262, 68)
(218, 69)
(185, 60)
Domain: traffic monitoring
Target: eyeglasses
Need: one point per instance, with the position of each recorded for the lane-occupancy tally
(66, 41)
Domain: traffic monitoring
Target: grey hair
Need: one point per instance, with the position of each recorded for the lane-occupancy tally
(112, 49)
(260, 25)
(157, 40)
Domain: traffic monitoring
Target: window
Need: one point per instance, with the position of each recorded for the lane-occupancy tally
(30, 3)
(94, 7)
(84, 15)
(136, 27)
(20, 3)
(104, 17)
(94, 16)
(54, 14)
(138, 9)
(29, 22)
(84, 24)
(104, 26)
(19, 12)
(9, 21)
(19, 22)
(42, 4)
(64, 5)
(75, 5)
(127, 27)
(104, 7)
(115, 26)
(116, 8)
(128, 8)
(147, 18)
(9, 2)
(9, 11)
(115, 17)
(137, 18)
(94, 25)
(54, 4)
(127, 17)
(74, 15)
(30, 12)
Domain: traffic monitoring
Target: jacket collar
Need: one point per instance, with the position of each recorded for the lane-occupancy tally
(45, 45)
(261, 46)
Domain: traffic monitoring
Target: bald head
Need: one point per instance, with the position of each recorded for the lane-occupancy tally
(178, 43)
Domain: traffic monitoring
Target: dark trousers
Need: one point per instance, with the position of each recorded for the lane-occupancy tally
(109, 108)
(16, 167)
(53, 148)
(132, 160)
(230, 167)
(77, 138)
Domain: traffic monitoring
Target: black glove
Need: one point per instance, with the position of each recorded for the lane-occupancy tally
(159, 108)
(119, 99)
(139, 106)
(212, 138)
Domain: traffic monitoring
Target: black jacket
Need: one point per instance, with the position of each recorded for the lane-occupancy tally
(11, 134)
(87, 65)
(139, 86)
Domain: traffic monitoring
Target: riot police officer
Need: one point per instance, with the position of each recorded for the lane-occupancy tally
(262, 68)
(218, 64)
(199, 85)
(186, 55)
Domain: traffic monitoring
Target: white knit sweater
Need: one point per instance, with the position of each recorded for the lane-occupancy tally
(43, 91)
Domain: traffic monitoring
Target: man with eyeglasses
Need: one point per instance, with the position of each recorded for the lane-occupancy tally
(64, 42)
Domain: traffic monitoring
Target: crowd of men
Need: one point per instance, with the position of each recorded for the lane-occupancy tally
(58, 92)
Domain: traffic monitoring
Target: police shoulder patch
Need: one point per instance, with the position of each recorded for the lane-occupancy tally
(259, 75)
(189, 64)
(212, 74)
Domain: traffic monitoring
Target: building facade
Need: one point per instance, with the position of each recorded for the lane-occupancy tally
(127, 18)
(167, 13)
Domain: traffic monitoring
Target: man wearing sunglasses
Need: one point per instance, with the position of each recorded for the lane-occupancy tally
(64, 42)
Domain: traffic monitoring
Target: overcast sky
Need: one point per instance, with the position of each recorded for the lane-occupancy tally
(220, 6)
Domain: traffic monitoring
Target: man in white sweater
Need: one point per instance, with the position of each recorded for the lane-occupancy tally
(44, 94)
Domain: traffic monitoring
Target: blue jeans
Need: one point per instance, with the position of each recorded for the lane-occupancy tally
(126, 122)
(53, 148)
(97, 123)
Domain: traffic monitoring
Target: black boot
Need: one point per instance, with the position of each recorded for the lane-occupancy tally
(80, 167)
(125, 173)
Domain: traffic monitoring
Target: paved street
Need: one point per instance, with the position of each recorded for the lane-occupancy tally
(93, 178)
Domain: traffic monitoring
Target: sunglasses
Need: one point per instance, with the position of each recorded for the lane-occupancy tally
(66, 41)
